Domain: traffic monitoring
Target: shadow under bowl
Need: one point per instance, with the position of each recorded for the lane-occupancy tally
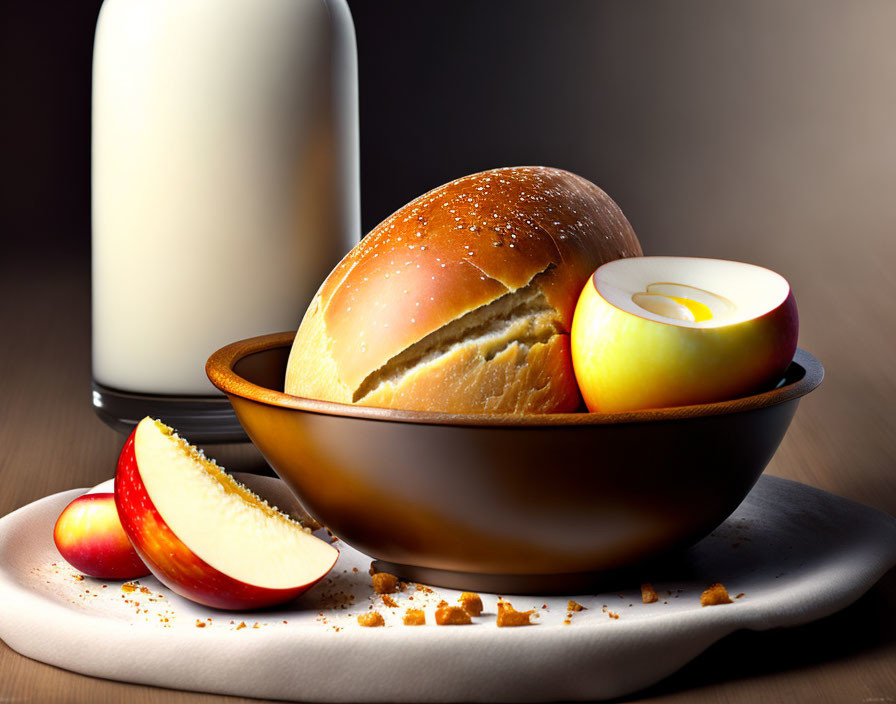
(501, 503)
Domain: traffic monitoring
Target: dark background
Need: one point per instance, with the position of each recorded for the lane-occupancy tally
(710, 122)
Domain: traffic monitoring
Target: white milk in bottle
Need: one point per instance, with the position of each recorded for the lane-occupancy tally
(225, 188)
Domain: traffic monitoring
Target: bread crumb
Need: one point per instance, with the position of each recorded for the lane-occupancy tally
(471, 603)
(648, 593)
(574, 606)
(414, 617)
(371, 619)
(452, 616)
(739, 595)
(384, 583)
(716, 594)
(389, 601)
(508, 616)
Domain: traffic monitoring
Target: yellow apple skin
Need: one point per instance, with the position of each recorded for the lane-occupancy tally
(624, 362)
(88, 534)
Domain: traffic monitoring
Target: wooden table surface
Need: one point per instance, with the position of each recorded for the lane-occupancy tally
(842, 440)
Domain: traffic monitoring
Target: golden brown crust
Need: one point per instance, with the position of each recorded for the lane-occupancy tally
(414, 617)
(389, 601)
(509, 617)
(371, 619)
(452, 616)
(455, 249)
(384, 583)
(648, 593)
(713, 596)
(471, 603)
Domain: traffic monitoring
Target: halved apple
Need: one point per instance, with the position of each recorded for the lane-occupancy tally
(654, 332)
(206, 536)
(89, 536)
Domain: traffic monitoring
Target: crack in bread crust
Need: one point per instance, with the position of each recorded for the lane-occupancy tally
(523, 317)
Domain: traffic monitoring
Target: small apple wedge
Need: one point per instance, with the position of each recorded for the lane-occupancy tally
(655, 332)
(206, 536)
(89, 536)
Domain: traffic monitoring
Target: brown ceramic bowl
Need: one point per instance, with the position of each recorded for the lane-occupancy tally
(508, 503)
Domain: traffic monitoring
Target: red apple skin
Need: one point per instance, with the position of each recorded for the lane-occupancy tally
(88, 534)
(172, 562)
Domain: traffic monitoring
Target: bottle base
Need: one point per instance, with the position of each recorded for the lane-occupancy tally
(199, 419)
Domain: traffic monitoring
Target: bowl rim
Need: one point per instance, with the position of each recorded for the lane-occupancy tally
(220, 371)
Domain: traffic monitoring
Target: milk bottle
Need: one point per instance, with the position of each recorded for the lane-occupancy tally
(225, 188)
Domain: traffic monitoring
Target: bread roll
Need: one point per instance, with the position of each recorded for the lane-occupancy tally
(462, 300)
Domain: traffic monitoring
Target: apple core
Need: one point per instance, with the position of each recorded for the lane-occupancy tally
(683, 302)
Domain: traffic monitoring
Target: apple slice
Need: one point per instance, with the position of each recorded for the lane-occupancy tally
(654, 332)
(206, 536)
(89, 536)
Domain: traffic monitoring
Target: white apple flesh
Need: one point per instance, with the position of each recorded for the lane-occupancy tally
(655, 332)
(206, 536)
